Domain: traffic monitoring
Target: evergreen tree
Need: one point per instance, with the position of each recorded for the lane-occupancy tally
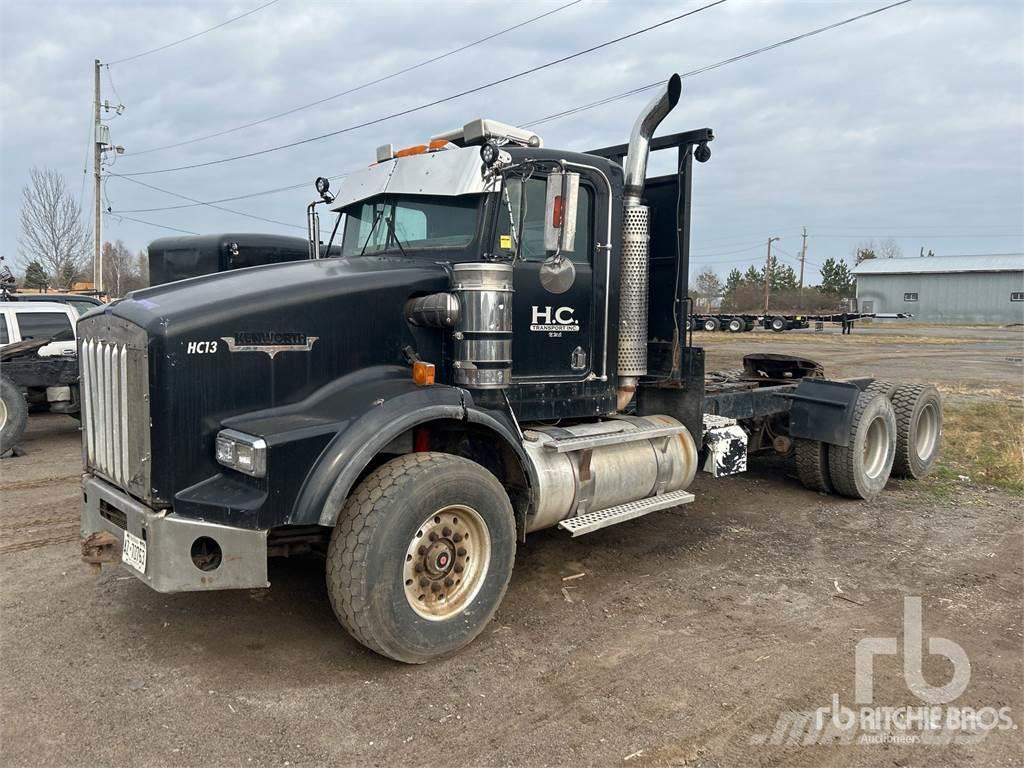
(733, 281)
(836, 278)
(783, 277)
(35, 275)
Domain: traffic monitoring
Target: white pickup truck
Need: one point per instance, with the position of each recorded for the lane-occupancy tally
(38, 351)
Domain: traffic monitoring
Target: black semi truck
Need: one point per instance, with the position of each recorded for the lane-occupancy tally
(499, 348)
(179, 258)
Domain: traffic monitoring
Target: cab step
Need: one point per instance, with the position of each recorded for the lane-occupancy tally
(602, 518)
(566, 444)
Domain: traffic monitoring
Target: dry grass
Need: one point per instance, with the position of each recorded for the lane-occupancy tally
(985, 442)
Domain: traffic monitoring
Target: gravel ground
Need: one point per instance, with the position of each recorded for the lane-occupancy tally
(689, 635)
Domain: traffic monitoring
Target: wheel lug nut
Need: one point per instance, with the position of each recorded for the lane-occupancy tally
(457, 538)
(423, 581)
(418, 567)
(433, 536)
(422, 550)
(435, 587)
(461, 551)
(446, 532)
(449, 582)
(458, 568)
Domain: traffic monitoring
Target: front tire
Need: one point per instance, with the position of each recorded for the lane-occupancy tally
(13, 415)
(421, 556)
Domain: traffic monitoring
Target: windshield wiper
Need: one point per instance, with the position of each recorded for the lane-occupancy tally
(393, 235)
(373, 228)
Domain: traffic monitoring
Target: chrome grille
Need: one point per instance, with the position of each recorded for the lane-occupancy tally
(113, 362)
(105, 403)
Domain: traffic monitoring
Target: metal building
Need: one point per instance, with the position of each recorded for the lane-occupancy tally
(945, 289)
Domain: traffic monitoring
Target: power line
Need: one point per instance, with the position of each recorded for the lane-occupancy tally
(85, 163)
(151, 224)
(724, 253)
(574, 110)
(716, 65)
(191, 37)
(198, 203)
(925, 237)
(434, 103)
(358, 87)
(211, 205)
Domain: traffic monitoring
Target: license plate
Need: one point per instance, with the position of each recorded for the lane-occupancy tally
(134, 552)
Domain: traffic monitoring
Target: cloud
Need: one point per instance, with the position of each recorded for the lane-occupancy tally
(906, 123)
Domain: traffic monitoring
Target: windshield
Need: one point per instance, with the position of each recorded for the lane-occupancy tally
(401, 223)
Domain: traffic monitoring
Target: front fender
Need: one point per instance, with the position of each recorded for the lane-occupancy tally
(353, 447)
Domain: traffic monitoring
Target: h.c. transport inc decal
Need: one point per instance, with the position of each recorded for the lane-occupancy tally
(553, 319)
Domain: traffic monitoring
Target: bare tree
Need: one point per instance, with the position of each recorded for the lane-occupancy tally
(123, 271)
(52, 230)
(709, 288)
(889, 249)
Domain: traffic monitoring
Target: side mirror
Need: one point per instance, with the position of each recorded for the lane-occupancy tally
(560, 212)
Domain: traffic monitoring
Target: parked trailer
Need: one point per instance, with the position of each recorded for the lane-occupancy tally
(739, 322)
(499, 349)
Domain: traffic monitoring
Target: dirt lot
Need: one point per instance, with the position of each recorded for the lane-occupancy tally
(691, 633)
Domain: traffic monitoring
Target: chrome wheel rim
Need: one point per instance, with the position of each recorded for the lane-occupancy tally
(446, 562)
(876, 448)
(3, 414)
(927, 433)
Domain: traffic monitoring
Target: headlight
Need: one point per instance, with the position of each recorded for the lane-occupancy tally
(245, 453)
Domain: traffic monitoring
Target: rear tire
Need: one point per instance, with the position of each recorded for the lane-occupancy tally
(421, 556)
(881, 387)
(918, 429)
(735, 325)
(861, 469)
(812, 465)
(711, 324)
(13, 415)
(778, 324)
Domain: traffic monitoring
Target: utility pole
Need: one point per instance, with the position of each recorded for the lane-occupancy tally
(803, 258)
(97, 161)
(768, 273)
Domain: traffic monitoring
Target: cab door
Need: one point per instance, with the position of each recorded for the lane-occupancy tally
(553, 333)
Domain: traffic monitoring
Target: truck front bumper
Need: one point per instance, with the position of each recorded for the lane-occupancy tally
(179, 554)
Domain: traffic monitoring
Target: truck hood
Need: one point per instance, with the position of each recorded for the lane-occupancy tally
(225, 345)
(281, 289)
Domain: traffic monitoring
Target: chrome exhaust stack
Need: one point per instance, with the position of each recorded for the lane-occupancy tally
(635, 262)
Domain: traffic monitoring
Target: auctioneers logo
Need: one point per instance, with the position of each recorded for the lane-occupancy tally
(933, 724)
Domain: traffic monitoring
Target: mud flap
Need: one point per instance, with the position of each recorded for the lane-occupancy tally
(822, 410)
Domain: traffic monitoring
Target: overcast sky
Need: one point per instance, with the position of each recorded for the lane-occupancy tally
(908, 124)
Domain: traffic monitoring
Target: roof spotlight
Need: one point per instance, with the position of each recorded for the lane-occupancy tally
(323, 188)
(492, 155)
(489, 153)
(703, 152)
